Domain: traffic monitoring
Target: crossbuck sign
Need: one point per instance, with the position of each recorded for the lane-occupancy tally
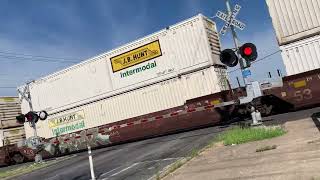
(230, 20)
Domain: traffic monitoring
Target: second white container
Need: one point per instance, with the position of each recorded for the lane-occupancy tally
(301, 56)
(294, 20)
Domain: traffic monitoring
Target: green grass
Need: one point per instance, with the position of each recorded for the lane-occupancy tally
(22, 170)
(239, 135)
(26, 168)
(176, 166)
(236, 135)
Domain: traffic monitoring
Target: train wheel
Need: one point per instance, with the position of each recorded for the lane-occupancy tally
(17, 158)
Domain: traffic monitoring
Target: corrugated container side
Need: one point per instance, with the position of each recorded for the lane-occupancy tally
(11, 136)
(157, 97)
(182, 48)
(294, 19)
(301, 56)
(9, 109)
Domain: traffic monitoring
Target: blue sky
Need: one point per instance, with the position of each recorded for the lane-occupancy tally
(78, 29)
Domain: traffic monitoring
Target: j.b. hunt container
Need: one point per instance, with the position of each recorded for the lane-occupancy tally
(157, 72)
(163, 95)
(178, 49)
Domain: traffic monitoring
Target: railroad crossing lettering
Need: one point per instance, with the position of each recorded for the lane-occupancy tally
(230, 20)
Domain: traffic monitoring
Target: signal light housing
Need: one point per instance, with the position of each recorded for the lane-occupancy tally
(229, 57)
(43, 115)
(32, 116)
(21, 119)
(249, 52)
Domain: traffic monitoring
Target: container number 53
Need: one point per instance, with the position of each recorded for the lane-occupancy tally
(303, 94)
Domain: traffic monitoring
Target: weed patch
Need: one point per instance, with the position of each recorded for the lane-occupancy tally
(240, 135)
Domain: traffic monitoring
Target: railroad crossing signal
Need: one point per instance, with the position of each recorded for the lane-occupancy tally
(32, 117)
(230, 20)
(247, 51)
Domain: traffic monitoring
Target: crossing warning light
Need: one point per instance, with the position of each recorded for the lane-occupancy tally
(21, 119)
(229, 57)
(248, 51)
(43, 115)
(32, 117)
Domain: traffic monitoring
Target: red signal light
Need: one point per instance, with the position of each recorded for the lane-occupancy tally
(247, 51)
(32, 117)
(29, 117)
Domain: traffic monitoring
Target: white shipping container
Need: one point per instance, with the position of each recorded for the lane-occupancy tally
(9, 109)
(301, 56)
(294, 19)
(12, 136)
(157, 97)
(184, 47)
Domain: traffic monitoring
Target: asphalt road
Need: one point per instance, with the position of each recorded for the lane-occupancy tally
(138, 160)
(143, 159)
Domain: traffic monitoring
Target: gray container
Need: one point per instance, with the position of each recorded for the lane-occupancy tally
(9, 109)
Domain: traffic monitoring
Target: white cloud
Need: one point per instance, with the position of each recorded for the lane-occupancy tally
(115, 32)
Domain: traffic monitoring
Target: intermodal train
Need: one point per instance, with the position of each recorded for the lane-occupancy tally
(299, 91)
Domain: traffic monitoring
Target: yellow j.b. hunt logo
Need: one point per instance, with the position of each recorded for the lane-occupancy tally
(136, 56)
(66, 119)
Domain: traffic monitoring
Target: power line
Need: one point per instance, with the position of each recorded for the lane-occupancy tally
(37, 56)
(265, 57)
(36, 60)
(7, 87)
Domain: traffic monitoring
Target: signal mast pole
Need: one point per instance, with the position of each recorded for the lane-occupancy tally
(33, 124)
(255, 114)
(236, 44)
(27, 96)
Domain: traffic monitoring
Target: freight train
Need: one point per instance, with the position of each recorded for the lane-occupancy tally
(298, 92)
(167, 82)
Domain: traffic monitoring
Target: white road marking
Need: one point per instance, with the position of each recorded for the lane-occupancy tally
(124, 169)
(110, 171)
(53, 177)
(134, 164)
